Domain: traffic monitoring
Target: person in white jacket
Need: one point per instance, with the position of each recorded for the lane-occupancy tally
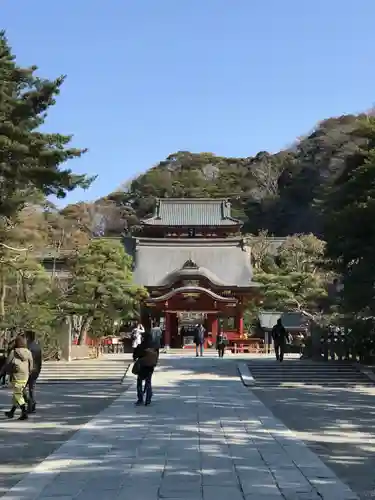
(137, 335)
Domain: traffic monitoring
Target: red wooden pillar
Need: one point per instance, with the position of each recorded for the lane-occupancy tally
(173, 327)
(167, 335)
(215, 326)
(240, 321)
(212, 326)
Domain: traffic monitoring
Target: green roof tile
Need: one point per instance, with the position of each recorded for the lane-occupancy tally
(192, 212)
(290, 320)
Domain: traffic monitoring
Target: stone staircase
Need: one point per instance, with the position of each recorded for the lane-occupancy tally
(96, 370)
(298, 373)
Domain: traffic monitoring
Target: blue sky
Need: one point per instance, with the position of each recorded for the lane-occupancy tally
(147, 78)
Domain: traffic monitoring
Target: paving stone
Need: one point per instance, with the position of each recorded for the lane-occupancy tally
(68, 497)
(333, 490)
(298, 495)
(253, 487)
(64, 488)
(182, 490)
(222, 493)
(204, 437)
(223, 477)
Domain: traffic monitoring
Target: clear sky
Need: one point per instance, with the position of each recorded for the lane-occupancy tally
(147, 78)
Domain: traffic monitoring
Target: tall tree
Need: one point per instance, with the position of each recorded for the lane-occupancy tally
(101, 285)
(292, 277)
(349, 214)
(30, 160)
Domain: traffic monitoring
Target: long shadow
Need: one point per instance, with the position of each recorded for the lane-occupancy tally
(336, 419)
(62, 409)
(189, 437)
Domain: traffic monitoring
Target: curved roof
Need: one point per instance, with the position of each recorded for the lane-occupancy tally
(223, 260)
(187, 272)
(191, 289)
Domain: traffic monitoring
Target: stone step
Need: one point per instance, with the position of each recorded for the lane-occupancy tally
(294, 372)
(105, 371)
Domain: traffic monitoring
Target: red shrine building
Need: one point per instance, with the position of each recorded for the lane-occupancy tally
(191, 257)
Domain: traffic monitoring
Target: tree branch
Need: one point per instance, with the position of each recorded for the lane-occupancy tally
(14, 249)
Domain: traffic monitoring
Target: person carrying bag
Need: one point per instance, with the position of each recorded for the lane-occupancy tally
(145, 360)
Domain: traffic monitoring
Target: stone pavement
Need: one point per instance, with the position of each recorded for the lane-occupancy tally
(204, 437)
(62, 410)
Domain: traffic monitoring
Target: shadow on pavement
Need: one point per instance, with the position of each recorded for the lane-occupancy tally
(62, 408)
(176, 440)
(336, 420)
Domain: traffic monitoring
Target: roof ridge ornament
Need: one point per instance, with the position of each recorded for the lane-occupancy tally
(190, 264)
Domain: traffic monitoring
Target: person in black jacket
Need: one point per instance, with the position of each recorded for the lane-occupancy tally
(146, 357)
(279, 336)
(36, 351)
(199, 332)
(221, 342)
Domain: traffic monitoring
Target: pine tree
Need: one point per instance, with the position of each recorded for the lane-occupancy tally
(30, 160)
(101, 285)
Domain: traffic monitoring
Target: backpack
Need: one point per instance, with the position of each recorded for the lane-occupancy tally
(150, 359)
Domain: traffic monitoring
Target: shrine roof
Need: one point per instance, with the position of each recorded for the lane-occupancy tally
(291, 320)
(192, 289)
(192, 212)
(223, 259)
(188, 271)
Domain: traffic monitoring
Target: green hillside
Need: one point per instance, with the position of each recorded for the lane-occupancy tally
(277, 192)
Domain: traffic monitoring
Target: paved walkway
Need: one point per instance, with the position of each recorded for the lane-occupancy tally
(205, 437)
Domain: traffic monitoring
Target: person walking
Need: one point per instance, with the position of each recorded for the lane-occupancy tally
(19, 365)
(156, 336)
(3, 358)
(221, 343)
(145, 358)
(8, 348)
(36, 352)
(279, 336)
(199, 339)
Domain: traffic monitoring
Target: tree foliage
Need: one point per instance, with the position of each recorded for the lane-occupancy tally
(290, 273)
(101, 285)
(30, 159)
(279, 192)
(31, 168)
(349, 214)
(323, 185)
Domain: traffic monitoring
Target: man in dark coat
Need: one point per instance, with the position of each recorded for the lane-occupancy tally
(279, 336)
(146, 356)
(199, 339)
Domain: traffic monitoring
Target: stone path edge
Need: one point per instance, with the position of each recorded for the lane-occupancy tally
(245, 374)
(367, 372)
(249, 381)
(39, 477)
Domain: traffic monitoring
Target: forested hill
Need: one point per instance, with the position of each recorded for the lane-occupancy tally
(275, 192)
